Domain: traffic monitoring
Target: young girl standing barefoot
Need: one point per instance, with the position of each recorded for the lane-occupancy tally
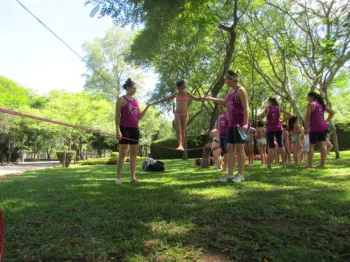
(260, 136)
(182, 98)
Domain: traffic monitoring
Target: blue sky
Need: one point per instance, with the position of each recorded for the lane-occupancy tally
(34, 58)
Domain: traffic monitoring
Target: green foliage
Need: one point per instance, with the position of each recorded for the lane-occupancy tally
(12, 96)
(114, 155)
(70, 155)
(107, 56)
(99, 161)
(158, 152)
(107, 161)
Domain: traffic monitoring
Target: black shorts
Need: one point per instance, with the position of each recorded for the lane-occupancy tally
(233, 136)
(318, 136)
(131, 133)
(271, 139)
(223, 144)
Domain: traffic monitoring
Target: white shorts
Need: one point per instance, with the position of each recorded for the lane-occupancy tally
(262, 141)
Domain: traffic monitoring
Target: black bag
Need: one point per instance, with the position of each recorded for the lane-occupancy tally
(157, 166)
(152, 165)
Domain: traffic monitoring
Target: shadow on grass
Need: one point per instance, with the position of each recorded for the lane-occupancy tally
(79, 214)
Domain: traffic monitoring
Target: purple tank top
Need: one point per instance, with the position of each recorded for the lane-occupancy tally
(129, 116)
(222, 125)
(273, 119)
(317, 122)
(235, 110)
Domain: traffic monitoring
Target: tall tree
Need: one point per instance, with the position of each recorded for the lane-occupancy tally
(107, 56)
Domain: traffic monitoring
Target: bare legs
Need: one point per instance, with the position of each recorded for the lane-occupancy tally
(121, 158)
(181, 125)
(250, 152)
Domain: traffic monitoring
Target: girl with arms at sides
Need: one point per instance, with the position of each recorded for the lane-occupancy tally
(127, 119)
(317, 126)
(238, 117)
(295, 131)
(222, 125)
(249, 145)
(260, 136)
(274, 129)
(182, 98)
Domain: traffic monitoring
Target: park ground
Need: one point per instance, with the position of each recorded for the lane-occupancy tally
(183, 214)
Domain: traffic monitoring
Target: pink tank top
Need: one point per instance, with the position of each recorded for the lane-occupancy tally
(130, 113)
(222, 125)
(317, 122)
(273, 119)
(235, 110)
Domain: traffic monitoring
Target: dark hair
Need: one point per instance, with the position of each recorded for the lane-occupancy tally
(317, 97)
(180, 83)
(273, 101)
(233, 74)
(260, 124)
(291, 122)
(128, 83)
(285, 126)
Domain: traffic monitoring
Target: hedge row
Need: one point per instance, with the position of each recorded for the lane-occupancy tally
(106, 161)
(158, 152)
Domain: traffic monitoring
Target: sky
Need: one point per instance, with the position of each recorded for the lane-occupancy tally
(31, 56)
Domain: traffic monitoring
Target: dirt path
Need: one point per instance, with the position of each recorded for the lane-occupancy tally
(20, 168)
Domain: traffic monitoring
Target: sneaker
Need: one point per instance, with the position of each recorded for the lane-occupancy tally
(118, 181)
(225, 179)
(215, 168)
(238, 178)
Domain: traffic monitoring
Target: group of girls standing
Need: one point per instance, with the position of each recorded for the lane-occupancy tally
(234, 135)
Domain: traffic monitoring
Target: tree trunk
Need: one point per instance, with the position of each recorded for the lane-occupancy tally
(9, 153)
(335, 140)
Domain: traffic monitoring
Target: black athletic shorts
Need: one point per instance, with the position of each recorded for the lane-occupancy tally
(223, 144)
(271, 138)
(129, 132)
(318, 136)
(233, 136)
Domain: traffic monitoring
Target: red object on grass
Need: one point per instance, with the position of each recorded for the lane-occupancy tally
(2, 235)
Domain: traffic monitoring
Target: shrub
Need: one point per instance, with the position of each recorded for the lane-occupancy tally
(69, 156)
(158, 152)
(114, 155)
(99, 161)
(106, 161)
(138, 159)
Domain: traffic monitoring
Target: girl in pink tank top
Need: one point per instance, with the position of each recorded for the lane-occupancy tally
(274, 129)
(127, 119)
(182, 98)
(238, 117)
(316, 126)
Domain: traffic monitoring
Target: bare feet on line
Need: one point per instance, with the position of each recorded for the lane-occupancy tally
(134, 180)
(180, 148)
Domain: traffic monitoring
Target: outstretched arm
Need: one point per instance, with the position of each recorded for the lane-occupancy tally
(164, 99)
(195, 98)
(142, 114)
(262, 113)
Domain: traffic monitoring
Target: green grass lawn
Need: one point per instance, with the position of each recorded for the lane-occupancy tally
(183, 214)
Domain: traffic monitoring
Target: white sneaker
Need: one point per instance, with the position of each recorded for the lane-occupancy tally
(118, 181)
(238, 178)
(215, 168)
(225, 179)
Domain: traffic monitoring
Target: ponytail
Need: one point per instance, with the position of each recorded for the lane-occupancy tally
(318, 98)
